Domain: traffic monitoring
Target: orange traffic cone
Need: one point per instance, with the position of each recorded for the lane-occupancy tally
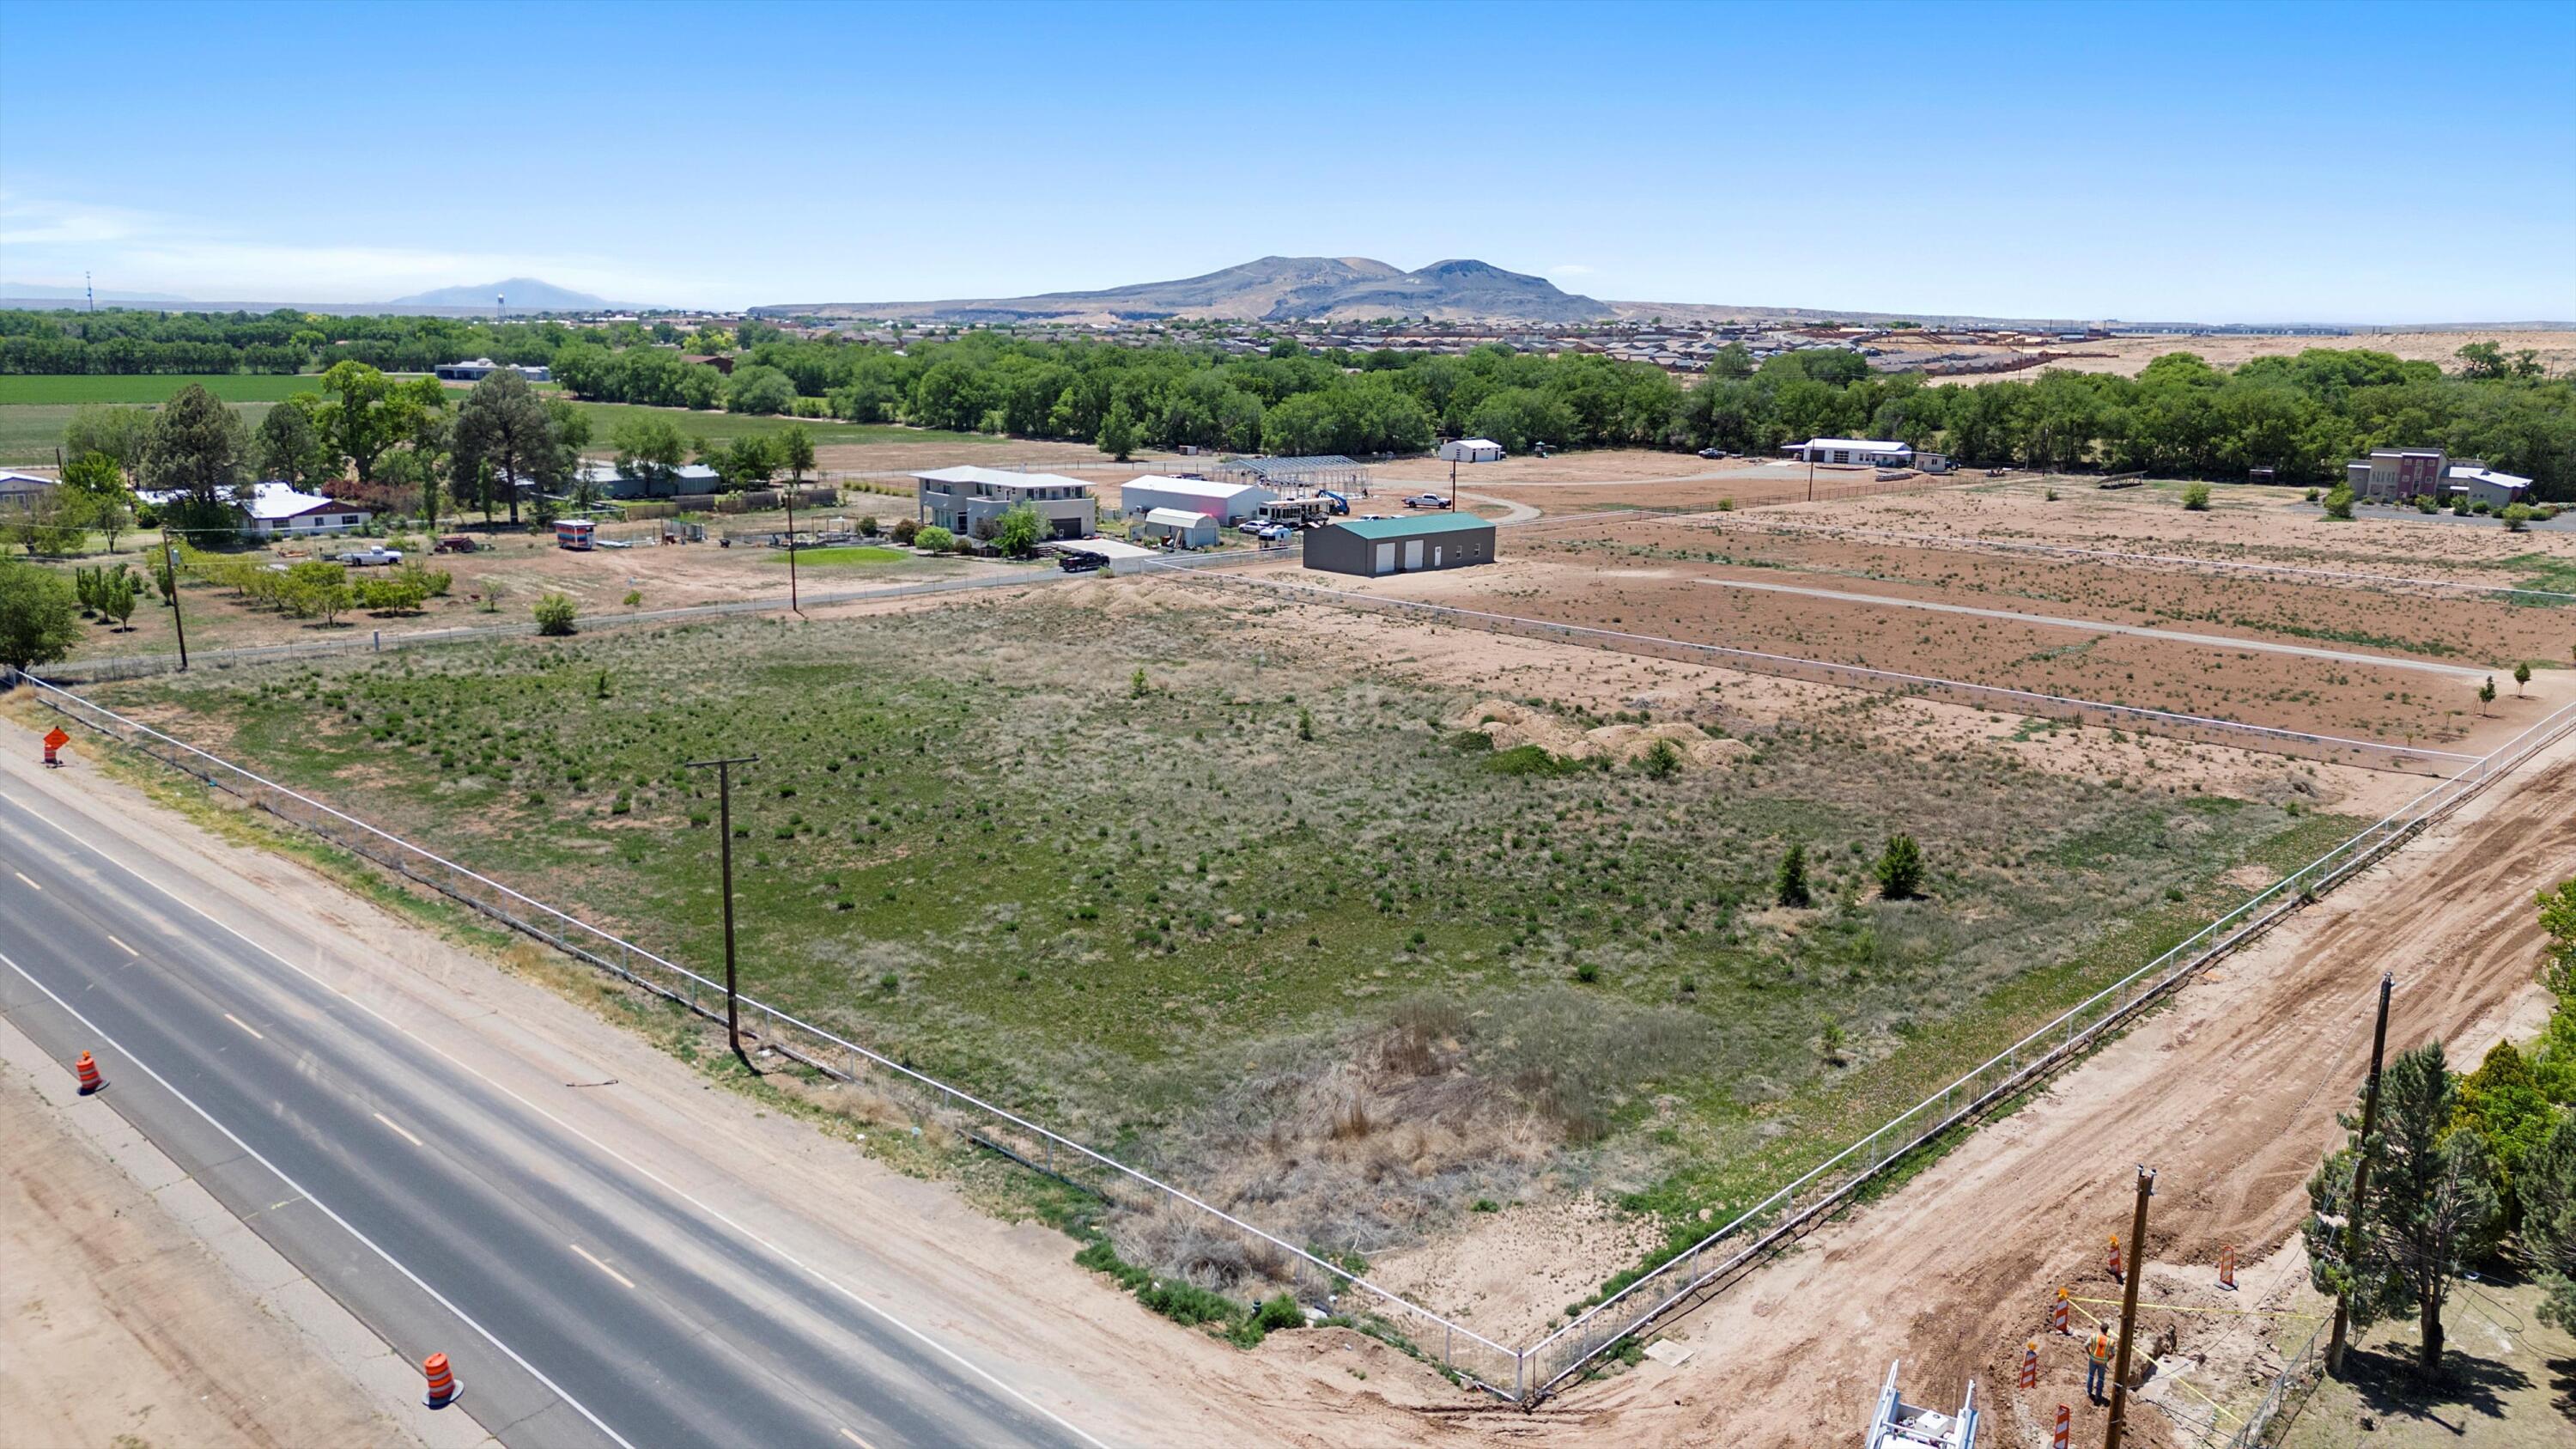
(2030, 1365)
(2060, 1320)
(443, 1387)
(87, 1071)
(2115, 1257)
(2065, 1425)
(2227, 1267)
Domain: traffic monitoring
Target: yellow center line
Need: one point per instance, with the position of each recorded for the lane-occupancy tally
(120, 945)
(22, 875)
(398, 1127)
(246, 1026)
(603, 1267)
(855, 1439)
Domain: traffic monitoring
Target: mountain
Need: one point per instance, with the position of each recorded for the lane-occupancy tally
(525, 294)
(1271, 289)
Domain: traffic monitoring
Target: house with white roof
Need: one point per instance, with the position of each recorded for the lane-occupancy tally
(968, 499)
(1859, 452)
(23, 490)
(2485, 485)
(281, 510)
(1227, 503)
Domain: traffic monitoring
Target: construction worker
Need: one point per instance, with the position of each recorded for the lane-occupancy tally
(2097, 1366)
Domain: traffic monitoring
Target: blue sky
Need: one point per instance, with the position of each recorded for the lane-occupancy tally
(2405, 162)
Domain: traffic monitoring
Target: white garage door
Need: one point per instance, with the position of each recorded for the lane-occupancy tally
(1413, 553)
(1385, 559)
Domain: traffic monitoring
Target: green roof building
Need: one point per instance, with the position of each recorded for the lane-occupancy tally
(1370, 547)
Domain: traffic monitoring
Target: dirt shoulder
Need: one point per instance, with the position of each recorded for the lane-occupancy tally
(121, 1327)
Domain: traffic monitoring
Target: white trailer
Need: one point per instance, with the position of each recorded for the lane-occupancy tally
(1900, 1425)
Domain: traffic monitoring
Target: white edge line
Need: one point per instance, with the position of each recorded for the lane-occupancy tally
(120, 945)
(22, 876)
(325, 1208)
(390, 1122)
(254, 1031)
(603, 1267)
(782, 1254)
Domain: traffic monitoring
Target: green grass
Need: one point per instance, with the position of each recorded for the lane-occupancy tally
(722, 426)
(17, 390)
(2542, 571)
(855, 556)
(1172, 922)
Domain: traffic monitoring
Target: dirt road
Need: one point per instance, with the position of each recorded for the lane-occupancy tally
(2230, 1093)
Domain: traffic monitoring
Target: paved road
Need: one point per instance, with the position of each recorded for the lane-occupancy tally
(2097, 626)
(586, 1299)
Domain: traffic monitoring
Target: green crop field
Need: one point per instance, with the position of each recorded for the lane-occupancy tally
(1261, 916)
(857, 556)
(152, 388)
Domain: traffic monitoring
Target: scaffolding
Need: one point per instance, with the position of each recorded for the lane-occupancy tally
(1297, 477)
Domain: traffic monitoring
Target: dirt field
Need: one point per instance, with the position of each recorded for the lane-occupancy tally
(2230, 1094)
(119, 1328)
(2129, 356)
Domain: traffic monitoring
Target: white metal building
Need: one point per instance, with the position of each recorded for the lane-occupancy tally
(2485, 485)
(1227, 503)
(1471, 450)
(281, 510)
(1880, 452)
(1186, 527)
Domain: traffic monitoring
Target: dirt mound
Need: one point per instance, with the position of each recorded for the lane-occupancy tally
(1511, 725)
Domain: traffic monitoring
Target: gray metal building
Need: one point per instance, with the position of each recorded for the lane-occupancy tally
(1371, 547)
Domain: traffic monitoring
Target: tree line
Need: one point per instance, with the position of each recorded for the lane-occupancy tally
(118, 341)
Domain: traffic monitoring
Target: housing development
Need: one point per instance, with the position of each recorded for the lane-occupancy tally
(1321, 852)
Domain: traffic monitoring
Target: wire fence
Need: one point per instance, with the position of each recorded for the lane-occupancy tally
(2337, 749)
(2298, 1374)
(1518, 1374)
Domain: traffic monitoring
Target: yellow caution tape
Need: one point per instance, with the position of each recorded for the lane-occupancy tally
(2178, 1308)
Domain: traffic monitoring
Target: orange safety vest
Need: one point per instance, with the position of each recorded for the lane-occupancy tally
(2100, 1348)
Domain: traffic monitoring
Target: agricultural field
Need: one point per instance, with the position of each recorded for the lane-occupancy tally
(1306, 915)
(19, 389)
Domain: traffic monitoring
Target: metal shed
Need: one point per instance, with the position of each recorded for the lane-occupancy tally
(1371, 547)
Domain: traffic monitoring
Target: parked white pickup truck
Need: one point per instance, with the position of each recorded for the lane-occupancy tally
(371, 556)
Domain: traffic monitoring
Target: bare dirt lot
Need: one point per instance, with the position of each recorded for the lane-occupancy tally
(2129, 356)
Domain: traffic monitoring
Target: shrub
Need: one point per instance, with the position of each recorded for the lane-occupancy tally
(1726, 505)
(962, 543)
(555, 614)
(2425, 503)
(2517, 517)
(906, 531)
(1278, 1313)
(2312, 495)
(933, 539)
(1471, 742)
(1660, 761)
(39, 615)
(2048, 495)
(868, 526)
(1790, 889)
(1900, 869)
(2339, 502)
(1528, 760)
(2195, 497)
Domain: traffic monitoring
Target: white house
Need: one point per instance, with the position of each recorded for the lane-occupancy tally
(1880, 452)
(1227, 503)
(1186, 527)
(280, 510)
(483, 367)
(968, 499)
(22, 490)
(1471, 450)
(2485, 485)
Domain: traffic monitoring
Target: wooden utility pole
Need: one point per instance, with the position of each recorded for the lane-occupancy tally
(2129, 1309)
(2360, 1172)
(792, 606)
(170, 560)
(724, 836)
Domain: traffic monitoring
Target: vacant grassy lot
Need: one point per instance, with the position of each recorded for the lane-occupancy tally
(1270, 924)
(155, 388)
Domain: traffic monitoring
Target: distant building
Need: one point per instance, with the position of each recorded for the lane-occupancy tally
(2394, 473)
(23, 490)
(1295, 477)
(1471, 450)
(483, 367)
(1186, 527)
(279, 510)
(605, 480)
(721, 362)
(1371, 547)
(1227, 503)
(2483, 484)
(1878, 452)
(968, 499)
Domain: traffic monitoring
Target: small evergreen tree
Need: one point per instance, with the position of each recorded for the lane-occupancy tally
(1900, 869)
(2486, 694)
(1791, 889)
(2521, 676)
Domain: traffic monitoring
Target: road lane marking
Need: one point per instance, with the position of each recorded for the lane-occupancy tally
(246, 1026)
(630, 1164)
(398, 1127)
(120, 945)
(22, 875)
(603, 1267)
(855, 1439)
(487, 1335)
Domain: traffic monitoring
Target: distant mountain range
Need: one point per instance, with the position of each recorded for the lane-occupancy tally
(39, 291)
(1271, 289)
(525, 294)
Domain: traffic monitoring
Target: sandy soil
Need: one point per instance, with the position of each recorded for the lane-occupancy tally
(2129, 356)
(120, 1328)
(2230, 1093)
(1511, 1273)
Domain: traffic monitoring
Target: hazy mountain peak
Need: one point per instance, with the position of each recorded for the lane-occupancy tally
(1270, 288)
(525, 294)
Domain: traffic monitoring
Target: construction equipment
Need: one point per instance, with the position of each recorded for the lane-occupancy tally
(1341, 505)
(1900, 1425)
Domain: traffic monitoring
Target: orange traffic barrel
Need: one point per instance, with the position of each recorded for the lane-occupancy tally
(87, 1070)
(443, 1387)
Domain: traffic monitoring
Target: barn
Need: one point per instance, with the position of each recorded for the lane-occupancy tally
(1227, 503)
(1471, 450)
(1371, 547)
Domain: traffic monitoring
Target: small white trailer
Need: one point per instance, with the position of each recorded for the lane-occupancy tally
(1900, 1425)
